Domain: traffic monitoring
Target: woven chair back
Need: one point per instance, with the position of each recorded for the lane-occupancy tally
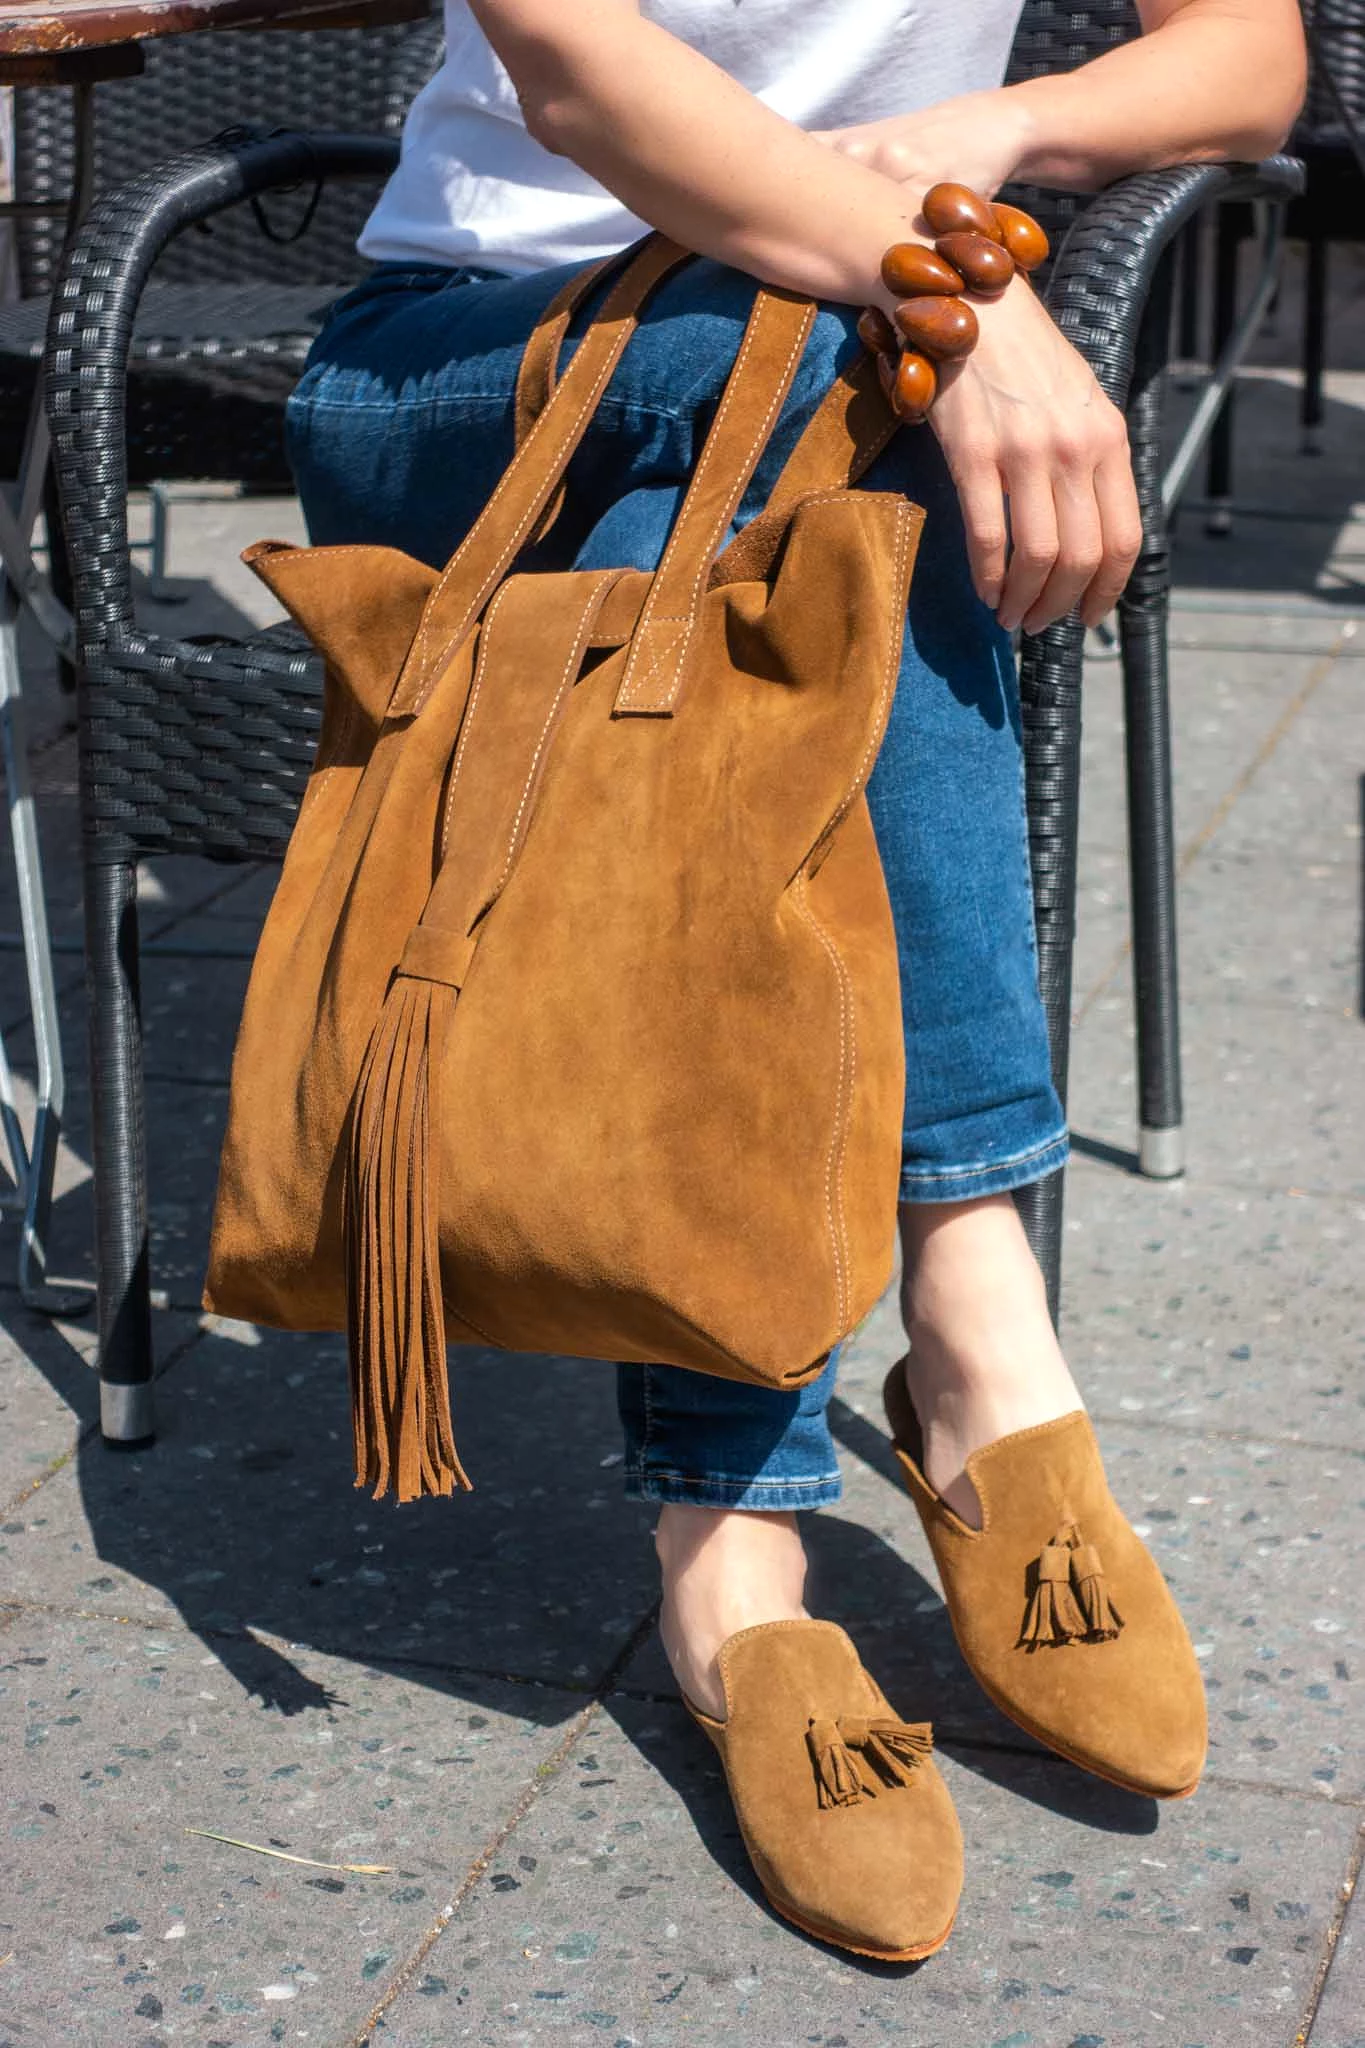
(1336, 51)
(357, 81)
(1057, 35)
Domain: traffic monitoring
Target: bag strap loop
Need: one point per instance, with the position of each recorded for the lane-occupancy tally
(539, 369)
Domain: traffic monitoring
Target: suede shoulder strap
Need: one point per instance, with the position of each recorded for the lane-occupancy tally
(843, 438)
(539, 371)
(754, 396)
(849, 429)
(497, 536)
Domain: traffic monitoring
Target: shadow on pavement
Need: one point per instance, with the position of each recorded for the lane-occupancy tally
(243, 1521)
(1295, 520)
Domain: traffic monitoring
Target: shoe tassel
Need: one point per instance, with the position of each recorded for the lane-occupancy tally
(400, 1394)
(843, 1749)
(1069, 1601)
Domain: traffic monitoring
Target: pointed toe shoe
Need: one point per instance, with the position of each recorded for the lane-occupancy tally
(849, 1827)
(1060, 1610)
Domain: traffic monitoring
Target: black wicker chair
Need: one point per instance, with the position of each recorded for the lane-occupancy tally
(216, 346)
(205, 749)
(221, 333)
(1329, 139)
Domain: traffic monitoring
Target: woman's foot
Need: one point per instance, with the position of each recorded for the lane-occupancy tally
(723, 1570)
(984, 1359)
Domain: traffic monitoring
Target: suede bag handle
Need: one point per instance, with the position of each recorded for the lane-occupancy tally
(840, 442)
(831, 451)
(539, 370)
(502, 528)
(656, 665)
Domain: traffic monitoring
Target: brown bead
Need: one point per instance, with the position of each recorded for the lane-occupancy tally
(914, 388)
(955, 209)
(910, 270)
(876, 333)
(984, 267)
(943, 329)
(1021, 235)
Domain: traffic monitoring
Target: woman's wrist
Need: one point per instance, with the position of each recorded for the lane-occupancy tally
(981, 248)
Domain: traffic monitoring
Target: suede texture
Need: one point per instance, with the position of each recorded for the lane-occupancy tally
(1054, 1553)
(575, 1023)
(881, 1871)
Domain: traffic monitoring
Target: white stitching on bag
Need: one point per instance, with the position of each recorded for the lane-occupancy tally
(833, 1196)
(848, 1048)
(480, 670)
(633, 683)
(566, 681)
(589, 404)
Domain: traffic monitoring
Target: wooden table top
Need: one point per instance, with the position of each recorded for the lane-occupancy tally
(48, 29)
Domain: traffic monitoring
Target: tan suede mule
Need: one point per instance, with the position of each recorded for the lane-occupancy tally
(1059, 1609)
(847, 1823)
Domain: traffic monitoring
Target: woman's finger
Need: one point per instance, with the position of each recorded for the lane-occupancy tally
(1121, 517)
(982, 498)
(1080, 547)
(1033, 540)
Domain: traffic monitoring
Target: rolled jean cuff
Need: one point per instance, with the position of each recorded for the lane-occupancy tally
(994, 1177)
(695, 1441)
(717, 1490)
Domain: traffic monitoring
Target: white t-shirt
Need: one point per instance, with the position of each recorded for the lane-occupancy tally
(474, 188)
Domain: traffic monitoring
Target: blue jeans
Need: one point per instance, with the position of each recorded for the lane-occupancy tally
(398, 433)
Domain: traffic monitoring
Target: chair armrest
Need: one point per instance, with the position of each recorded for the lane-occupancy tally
(1105, 268)
(100, 282)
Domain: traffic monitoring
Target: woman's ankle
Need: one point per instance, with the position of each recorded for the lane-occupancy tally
(984, 1358)
(973, 1298)
(723, 1569)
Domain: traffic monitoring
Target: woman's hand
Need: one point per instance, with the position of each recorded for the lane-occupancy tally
(979, 139)
(1040, 459)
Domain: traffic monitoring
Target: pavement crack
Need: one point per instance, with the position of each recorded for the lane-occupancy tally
(1224, 1436)
(1329, 1946)
(546, 1774)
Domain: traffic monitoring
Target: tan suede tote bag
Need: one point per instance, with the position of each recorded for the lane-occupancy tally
(575, 1024)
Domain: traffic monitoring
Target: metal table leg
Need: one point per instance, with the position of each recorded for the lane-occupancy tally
(23, 585)
(32, 1164)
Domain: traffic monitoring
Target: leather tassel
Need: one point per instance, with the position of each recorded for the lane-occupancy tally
(895, 1749)
(898, 1748)
(400, 1394)
(1052, 1616)
(838, 1779)
(1102, 1619)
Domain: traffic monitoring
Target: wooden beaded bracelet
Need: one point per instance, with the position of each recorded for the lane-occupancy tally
(978, 246)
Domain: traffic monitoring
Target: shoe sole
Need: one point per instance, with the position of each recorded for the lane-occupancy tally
(880, 1955)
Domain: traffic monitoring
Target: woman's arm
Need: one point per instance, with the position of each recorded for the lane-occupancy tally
(691, 151)
(1023, 422)
(1208, 80)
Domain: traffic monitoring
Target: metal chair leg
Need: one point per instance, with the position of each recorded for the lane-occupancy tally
(1314, 343)
(1143, 624)
(34, 1162)
(117, 1118)
(1211, 423)
(1191, 265)
(1226, 246)
(1050, 697)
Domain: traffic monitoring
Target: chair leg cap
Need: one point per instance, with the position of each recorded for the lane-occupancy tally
(1161, 1153)
(127, 1420)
